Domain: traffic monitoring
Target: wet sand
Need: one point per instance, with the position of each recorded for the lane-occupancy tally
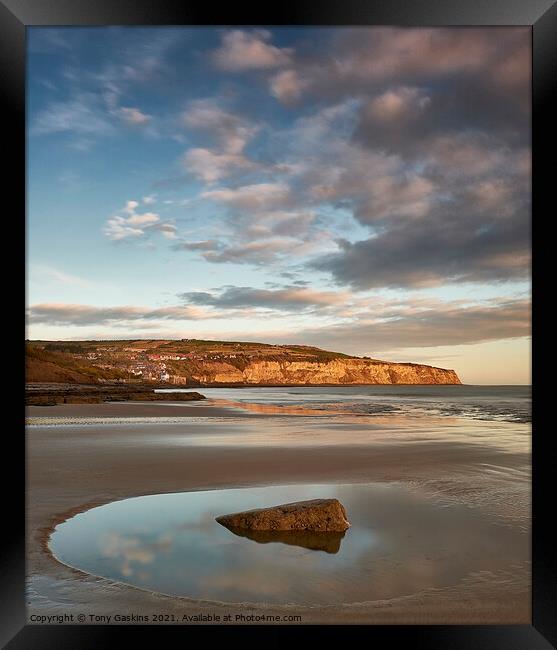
(73, 467)
(130, 410)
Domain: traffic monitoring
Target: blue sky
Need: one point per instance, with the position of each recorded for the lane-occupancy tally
(365, 190)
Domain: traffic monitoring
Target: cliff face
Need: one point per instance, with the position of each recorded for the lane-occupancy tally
(337, 371)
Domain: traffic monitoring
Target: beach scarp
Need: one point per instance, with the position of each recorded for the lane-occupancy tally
(324, 515)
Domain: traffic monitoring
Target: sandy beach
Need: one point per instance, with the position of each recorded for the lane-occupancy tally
(107, 452)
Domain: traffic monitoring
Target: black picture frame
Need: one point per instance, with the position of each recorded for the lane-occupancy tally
(541, 15)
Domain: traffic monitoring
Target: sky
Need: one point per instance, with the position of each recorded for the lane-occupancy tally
(365, 190)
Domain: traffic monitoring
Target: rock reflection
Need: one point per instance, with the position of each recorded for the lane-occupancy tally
(312, 540)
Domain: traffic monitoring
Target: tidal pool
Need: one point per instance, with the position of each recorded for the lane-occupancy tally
(400, 542)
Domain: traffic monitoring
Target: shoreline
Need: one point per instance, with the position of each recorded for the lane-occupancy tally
(114, 410)
(87, 467)
(53, 395)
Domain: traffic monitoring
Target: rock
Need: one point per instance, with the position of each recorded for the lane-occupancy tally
(324, 515)
(312, 540)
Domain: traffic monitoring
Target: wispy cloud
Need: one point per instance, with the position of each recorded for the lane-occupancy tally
(82, 115)
(97, 104)
(134, 116)
(288, 298)
(42, 272)
(121, 316)
(441, 325)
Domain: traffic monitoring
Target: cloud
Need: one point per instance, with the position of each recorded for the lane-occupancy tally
(261, 196)
(407, 137)
(42, 272)
(435, 80)
(142, 219)
(134, 116)
(96, 92)
(360, 59)
(377, 324)
(230, 131)
(287, 298)
(464, 217)
(166, 228)
(130, 550)
(287, 86)
(81, 115)
(48, 40)
(250, 236)
(330, 167)
(140, 61)
(431, 253)
(300, 225)
(62, 314)
(243, 50)
(398, 104)
(361, 325)
(229, 134)
(406, 125)
(324, 125)
(402, 52)
(404, 152)
(252, 252)
(210, 166)
(117, 228)
(455, 209)
(430, 326)
(130, 207)
(130, 224)
(204, 245)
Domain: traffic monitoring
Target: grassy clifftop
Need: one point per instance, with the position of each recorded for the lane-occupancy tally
(43, 365)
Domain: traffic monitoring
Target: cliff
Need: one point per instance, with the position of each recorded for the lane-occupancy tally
(193, 362)
(337, 371)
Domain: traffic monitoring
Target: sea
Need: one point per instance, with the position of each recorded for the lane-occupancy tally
(488, 403)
